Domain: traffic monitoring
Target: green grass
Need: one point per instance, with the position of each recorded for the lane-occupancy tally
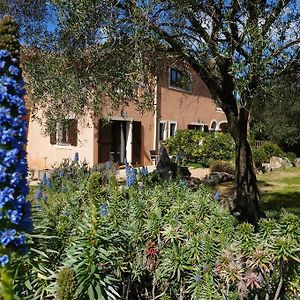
(280, 189)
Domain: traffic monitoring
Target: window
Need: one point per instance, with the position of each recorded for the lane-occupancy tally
(167, 129)
(180, 80)
(172, 128)
(213, 126)
(195, 127)
(65, 133)
(163, 130)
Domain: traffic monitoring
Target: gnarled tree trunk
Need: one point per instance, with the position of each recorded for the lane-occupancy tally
(247, 199)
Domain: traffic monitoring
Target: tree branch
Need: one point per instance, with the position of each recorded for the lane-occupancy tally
(274, 15)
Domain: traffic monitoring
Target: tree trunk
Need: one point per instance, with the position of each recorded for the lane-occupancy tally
(247, 199)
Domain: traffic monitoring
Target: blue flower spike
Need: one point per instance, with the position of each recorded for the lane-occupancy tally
(15, 210)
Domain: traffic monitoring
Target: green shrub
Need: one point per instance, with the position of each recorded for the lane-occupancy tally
(272, 149)
(222, 166)
(263, 153)
(291, 156)
(200, 147)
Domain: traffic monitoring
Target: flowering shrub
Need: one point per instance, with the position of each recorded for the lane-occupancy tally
(15, 210)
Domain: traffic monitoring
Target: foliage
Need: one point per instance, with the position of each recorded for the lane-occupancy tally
(222, 166)
(66, 284)
(263, 153)
(15, 210)
(277, 116)
(199, 147)
(112, 53)
(161, 240)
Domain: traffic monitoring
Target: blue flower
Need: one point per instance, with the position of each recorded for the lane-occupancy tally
(39, 194)
(14, 70)
(4, 53)
(63, 189)
(4, 259)
(20, 240)
(45, 198)
(44, 179)
(14, 216)
(144, 171)
(103, 210)
(15, 209)
(49, 183)
(217, 196)
(197, 278)
(76, 157)
(6, 195)
(62, 173)
(2, 64)
(130, 175)
(7, 236)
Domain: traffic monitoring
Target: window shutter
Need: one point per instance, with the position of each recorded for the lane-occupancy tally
(73, 132)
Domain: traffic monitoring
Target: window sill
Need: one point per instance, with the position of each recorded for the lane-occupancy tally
(64, 146)
(180, 90)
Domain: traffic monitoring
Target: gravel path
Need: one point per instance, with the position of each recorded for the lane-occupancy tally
(199, 172)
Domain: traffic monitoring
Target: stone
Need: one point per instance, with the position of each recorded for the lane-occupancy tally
(165, 168)
(265, 168)
(218, 177)
(297, 161)
(278, 162)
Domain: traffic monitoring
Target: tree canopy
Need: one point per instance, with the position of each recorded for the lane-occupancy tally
(99, 48)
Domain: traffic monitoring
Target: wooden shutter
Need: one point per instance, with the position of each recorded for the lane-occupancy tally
(104, 141)
(72, 132)
(136, 142)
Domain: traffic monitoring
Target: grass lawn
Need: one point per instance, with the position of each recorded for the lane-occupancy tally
(279, 189)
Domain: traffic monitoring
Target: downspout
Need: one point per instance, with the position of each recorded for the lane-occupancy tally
(155, 116)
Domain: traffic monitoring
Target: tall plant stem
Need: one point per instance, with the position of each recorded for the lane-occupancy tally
(6, 292)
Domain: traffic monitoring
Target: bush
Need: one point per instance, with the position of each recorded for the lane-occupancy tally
(263, 153)
(200, 147)
(291, 157)
(222, 166)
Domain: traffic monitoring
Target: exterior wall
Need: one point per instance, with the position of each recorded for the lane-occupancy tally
(195, 107)
(43, 155)
(188, 107)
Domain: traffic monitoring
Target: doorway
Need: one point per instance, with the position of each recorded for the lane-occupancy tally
(119, 141)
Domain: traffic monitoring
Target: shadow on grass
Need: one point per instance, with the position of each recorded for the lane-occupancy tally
(276, 201)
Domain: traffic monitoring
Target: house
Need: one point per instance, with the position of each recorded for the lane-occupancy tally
(181, 101)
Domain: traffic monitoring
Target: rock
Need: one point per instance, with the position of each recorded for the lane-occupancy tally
(286, 163)
(278, 162)
(165, 168)
(265, 168)
(218, 177)
(194, 183)
(275, 162)
(297, 161)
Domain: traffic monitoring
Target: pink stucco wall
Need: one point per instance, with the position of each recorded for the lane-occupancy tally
(43, 155)
(194, 107)
(173, 105)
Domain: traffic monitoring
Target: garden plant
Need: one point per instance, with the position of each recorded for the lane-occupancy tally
(15, 210)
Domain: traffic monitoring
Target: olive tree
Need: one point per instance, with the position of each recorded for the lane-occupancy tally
(236, 46)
